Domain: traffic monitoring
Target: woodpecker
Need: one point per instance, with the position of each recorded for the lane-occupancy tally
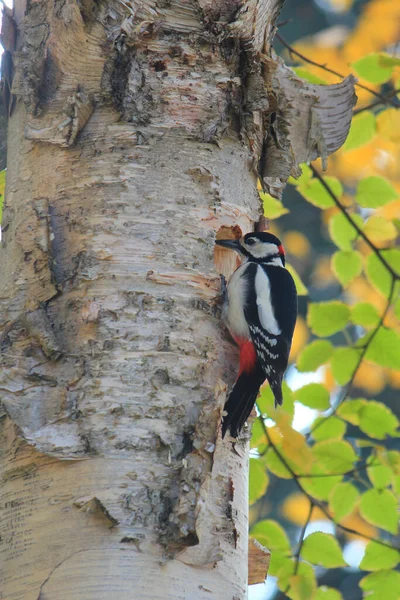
(260, 310)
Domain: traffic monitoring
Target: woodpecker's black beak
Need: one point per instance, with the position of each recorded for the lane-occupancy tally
(230, 244)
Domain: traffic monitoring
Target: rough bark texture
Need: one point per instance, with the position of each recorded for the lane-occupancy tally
(137, 133)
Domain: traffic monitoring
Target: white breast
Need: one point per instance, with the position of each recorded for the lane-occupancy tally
(234, 312)
(265, 309)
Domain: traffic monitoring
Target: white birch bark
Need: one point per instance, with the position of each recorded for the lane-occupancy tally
(135, 135)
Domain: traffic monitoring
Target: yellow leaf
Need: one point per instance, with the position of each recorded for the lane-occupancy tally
(341, 5)
(296, 243)
(370, 377)
(293, 444)
(329, 380)
(394, 379)
(296, 508)
(322, 275)
(378, 229)
(361, 290)
(390, 210)
(300, 337)
(388, 124)
(354, 521)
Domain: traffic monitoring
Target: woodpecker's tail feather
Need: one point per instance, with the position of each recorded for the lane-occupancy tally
(276, 387)
(240, 402)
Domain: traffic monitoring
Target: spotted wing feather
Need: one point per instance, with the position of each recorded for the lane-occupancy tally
(271, 325)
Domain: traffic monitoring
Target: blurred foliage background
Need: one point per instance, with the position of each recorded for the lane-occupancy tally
(325, 470)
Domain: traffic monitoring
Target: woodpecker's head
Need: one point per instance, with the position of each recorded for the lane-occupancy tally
(258, 247)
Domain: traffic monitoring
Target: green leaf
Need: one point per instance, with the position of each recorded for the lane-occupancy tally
(273, 209)
(342, 232)
(362, 130)
(271, 535)
(379, 508)
(375, 67)
(335, 456)
(342, 500)
(380, 475)
(347, 265)
(384, 348)
(302, 587)
(327, 593)
(258, 480)
(393, 458)
(364, 314)
(322, 549)
(316, 194)
(266, 401)
(300, 287)
(2, 191)
(389, 61)
(379, 557)
(314, 355)
(327, 318)
(287, 570)
(374, 191)
(396, 485)
(319, 487)
(275, 465)
(331, 428)
(377, 420)
(308, 76)
(378, 274)
(351, 410)
(313, 395)
(344, 363)
(383, 585)
(397, 308)
(258, 437)
(279, 562)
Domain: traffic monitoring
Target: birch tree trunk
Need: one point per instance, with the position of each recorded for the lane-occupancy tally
(137, 133)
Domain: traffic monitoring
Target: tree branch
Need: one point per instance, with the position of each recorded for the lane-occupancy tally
(357, 111)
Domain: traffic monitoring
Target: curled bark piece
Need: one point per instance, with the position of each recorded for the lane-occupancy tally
(310, 121)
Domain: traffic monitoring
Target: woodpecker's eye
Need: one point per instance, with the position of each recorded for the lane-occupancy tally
(250, 241)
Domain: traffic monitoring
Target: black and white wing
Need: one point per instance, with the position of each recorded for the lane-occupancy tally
(271, 316)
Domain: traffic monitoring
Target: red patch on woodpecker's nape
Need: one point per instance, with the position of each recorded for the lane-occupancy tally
(248, 357)
(281, 250)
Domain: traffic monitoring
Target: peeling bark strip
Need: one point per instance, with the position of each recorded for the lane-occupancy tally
(137, 135)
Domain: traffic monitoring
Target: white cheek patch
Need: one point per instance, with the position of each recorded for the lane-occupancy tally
(262, 249)
(264, 305)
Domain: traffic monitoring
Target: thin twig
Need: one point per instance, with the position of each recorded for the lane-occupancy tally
(328, 70)
(283, 23)
(296, 555)
(357, 111)
(301, 537)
